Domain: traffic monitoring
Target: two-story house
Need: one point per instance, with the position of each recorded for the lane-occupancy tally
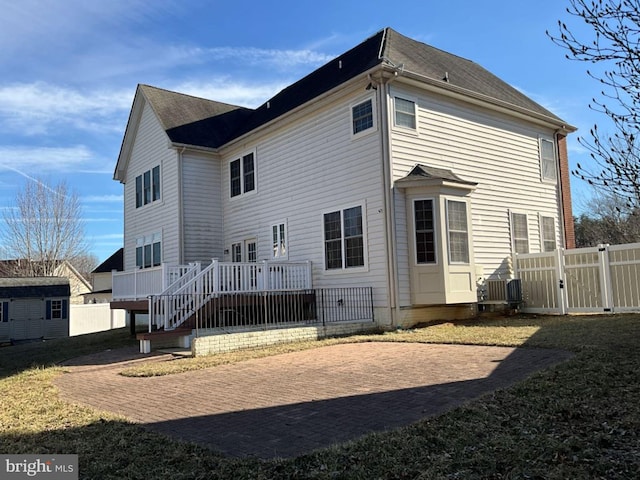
(395, 166)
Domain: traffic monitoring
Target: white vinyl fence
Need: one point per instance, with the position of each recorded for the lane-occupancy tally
(91, 318)
(582, 280)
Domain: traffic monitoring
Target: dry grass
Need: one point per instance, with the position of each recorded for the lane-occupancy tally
(580, 419)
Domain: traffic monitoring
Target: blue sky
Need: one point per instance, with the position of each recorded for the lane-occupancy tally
(69, 70)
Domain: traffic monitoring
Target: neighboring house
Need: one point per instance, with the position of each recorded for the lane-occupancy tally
(102, 279)
(395, 166)
(78, 284)
(34, 307)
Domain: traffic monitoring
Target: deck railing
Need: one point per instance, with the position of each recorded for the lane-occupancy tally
(170, 309)
(273, 308)
(140, 283)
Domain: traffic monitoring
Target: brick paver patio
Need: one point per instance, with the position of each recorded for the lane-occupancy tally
(290, 404)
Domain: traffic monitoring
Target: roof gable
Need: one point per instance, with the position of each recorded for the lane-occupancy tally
(186, 120)
(192, 120)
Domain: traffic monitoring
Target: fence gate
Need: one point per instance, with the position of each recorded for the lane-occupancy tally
(583, 280)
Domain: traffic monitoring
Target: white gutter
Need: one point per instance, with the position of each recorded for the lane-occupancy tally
(389, 198)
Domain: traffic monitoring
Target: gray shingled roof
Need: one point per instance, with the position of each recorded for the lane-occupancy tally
(23, 287)
(114, 262)
(191, 120)
(433, 63)
(426, 172)
(195, 121)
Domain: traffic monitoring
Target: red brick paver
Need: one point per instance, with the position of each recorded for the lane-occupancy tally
(290, 404)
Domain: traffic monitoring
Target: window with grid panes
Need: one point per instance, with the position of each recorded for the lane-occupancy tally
(458, 231)
(425, 231)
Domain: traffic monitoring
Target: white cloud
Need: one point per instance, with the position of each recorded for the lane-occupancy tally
(27, 160)
(230, 91)
(255, 56)
(104, 199)
(35, 108)
(109, 236)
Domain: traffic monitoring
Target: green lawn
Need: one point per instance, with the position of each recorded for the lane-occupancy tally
(580, 419)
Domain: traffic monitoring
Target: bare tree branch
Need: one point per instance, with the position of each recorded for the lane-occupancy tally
(45, 228)
(615, 46)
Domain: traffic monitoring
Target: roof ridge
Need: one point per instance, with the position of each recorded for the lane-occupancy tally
(173, 92)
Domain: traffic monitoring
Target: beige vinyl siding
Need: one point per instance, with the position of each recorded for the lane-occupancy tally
(202, 208)
(311, 167)
(150, 149)
(500, 153)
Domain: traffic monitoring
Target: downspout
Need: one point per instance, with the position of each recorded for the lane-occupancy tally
(180, 210)
(563, 233)
(389, 204)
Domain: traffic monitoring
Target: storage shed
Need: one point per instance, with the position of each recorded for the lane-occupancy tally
(34, 307)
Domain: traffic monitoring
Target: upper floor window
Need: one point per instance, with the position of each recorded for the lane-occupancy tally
(425, 231)
(4, 311)
(405, 113)
(344, 238)
(148, 187)
(519, 232)
(149, 251)
(548, 234)
(242, 175)
(279, 240)
(362, 116)
(458, 231)
(548, 160)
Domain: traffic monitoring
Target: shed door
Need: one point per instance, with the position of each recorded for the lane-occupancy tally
(26, 318)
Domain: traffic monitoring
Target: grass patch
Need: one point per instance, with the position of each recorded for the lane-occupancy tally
(580, 419)
(47, 353)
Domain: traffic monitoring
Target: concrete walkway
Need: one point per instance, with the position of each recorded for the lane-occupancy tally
(291, 404)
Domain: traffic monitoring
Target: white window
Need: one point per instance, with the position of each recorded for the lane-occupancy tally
(236, 252)
(242, 175)
(548, 234)
(519, 232)
(279, 241)
(57, 309)
(404, 113)
(548, 160)
(363, 117)
(458, 232)
(424, 218)
(344, 239)
(149, 251)
(245, 251)
(251, 247)
(148, 187)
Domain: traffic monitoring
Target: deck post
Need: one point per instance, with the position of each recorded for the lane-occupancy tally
(132, 322)
(216, 275)
(266, 283)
